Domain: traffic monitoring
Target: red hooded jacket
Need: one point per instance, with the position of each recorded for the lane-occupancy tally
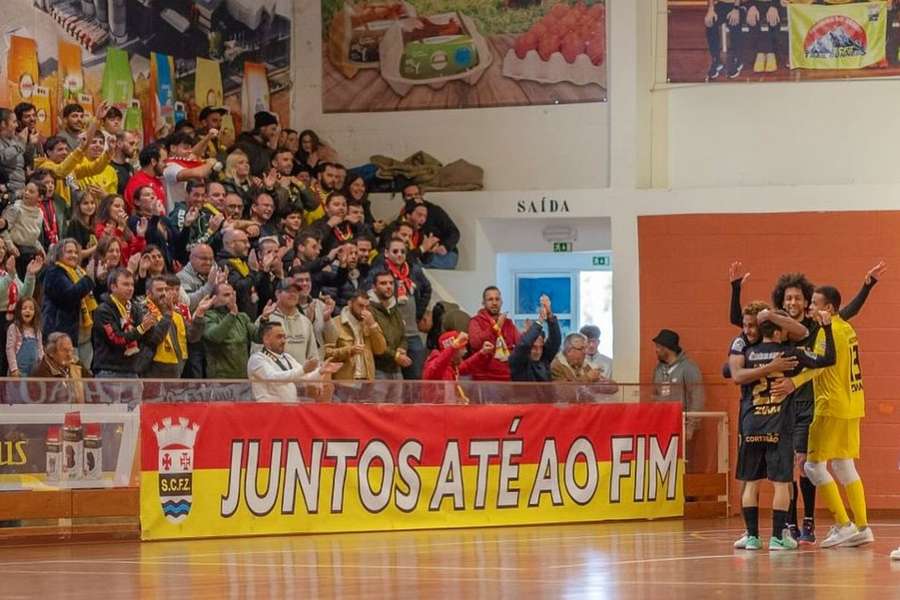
(481, 330)
(439, 367)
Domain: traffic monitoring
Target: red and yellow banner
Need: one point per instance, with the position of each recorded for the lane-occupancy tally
(207, 468)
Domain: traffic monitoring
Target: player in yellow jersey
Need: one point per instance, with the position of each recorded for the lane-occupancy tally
(834, 432)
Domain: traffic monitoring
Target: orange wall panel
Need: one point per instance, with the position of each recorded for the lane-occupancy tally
(684, 285)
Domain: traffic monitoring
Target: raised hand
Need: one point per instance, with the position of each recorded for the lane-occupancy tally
(35, 265)
(10, 264)
(268, 309)
(874, 274)
(148, 321)
(737, 272)
(203, 306)
(216, 222)
(487, 348)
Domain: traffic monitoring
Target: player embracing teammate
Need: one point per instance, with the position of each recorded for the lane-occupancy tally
(826, 403)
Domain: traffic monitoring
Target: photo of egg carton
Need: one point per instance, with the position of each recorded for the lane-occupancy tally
(357, 30)
(554, 70)
(408, 59)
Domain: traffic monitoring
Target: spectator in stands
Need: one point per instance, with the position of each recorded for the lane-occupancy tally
(122, 158)
(170, 353)
(73, 124)
(359, 339)
(182, 166)
(120, 330)
(422, 245)
(153, 161)
(63, 163)
(227, 335)
(151, 264)
(198, 222)
(289, 192)
(24, 226)
(300, 340)
(105, 180)
(334, 229)
(357, 190)
(60, 362)
(323, 186)
(413, 294)
(106, 259)
(14, 290)
(438, 224)
(198, 280)
(259, 143)
(211, 118)
(274, 373)
(356, 217)
(112, 123)
(531, 357)
(235, 250)
(237, 178)
(155, 228)
(597, 361)
(447, 364)
(24, 342)
(112, 221)
(677, 378)
(317, 310)
(352, 276)
(26, 117)
(54, 209)
(383, 304)
(81, 225)
(13, 147)
(312, 151)
(290, 227)
(68, 303)
(490, 325)
(261, 213)
(571, 365)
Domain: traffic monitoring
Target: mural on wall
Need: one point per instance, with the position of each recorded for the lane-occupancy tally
(390, 55)
(782, 40)
(157, 60)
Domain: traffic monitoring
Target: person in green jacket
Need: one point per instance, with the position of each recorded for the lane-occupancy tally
(227, 335)
(387, 315)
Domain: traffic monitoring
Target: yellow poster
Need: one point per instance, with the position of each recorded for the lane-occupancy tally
(848, 36)
(22, 69)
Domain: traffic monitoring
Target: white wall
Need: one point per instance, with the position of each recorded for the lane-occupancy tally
(709, 148)
(537, 147)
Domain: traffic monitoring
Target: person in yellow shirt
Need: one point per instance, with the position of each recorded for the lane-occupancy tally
(106, 180)
(834, 432)
(62, 161)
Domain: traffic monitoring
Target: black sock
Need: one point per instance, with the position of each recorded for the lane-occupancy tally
(751, 519)
(779, 521)
(792, 507)
(809, 497)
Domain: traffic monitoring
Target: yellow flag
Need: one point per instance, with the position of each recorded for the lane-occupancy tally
(849, 36)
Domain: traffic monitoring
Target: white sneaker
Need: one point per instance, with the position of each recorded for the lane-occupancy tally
(741, 543)
(895, 555)
(862, 537)
(838, 535)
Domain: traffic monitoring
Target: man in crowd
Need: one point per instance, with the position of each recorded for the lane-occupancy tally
(13, 146)
(439, 225)
(227, 335)
(595, 359)
(181, 167)
(388, 364)
(677, 378)
(259, 144)
(490, 325)
(124, 150)
(531, 357)
(317, 310)
(359, 339)
(274, 373)
(72, 124)
(152, 160)
(300, 337)
(198, 281)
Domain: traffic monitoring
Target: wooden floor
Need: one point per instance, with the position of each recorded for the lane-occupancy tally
(368, 92)
(669, 559)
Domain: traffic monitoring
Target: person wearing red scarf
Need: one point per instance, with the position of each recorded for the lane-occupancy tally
(447, 364)
(490, 325)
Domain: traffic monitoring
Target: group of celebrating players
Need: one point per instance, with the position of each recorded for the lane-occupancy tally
(797, 362)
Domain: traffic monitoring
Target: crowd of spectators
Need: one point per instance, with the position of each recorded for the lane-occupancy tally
(187, 259)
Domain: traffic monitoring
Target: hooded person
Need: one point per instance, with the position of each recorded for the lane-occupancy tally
(447, 363)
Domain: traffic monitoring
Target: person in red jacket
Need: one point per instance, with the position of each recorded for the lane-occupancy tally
(489, 325)
(447, 364)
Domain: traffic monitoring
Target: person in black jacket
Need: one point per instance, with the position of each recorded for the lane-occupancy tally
(531, 357)
(258, 143)
(439, 224)
(66, 292)
(244, 280)
(121, 329)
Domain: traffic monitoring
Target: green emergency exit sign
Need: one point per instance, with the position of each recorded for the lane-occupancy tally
(601, 261)
(562, 246)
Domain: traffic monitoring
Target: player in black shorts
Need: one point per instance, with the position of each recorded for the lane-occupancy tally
(793, 292)
(766, 423)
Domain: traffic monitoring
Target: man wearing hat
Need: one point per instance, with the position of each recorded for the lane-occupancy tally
(259, 144)
(300, 338)
(211, 120)
(677, 378)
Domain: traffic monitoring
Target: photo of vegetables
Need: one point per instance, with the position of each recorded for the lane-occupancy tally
(390, 55)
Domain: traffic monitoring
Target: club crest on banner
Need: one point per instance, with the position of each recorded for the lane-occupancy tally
(176, 466)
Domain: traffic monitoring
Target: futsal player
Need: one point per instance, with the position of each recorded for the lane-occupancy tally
(793, 292)
(766, 424)
(834, 431)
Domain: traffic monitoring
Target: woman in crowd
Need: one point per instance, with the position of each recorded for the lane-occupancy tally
(112, 221)
(358, 191)
(151, 264)
(81, 227)
(107, 257)
(237, 178)
(68, 300)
